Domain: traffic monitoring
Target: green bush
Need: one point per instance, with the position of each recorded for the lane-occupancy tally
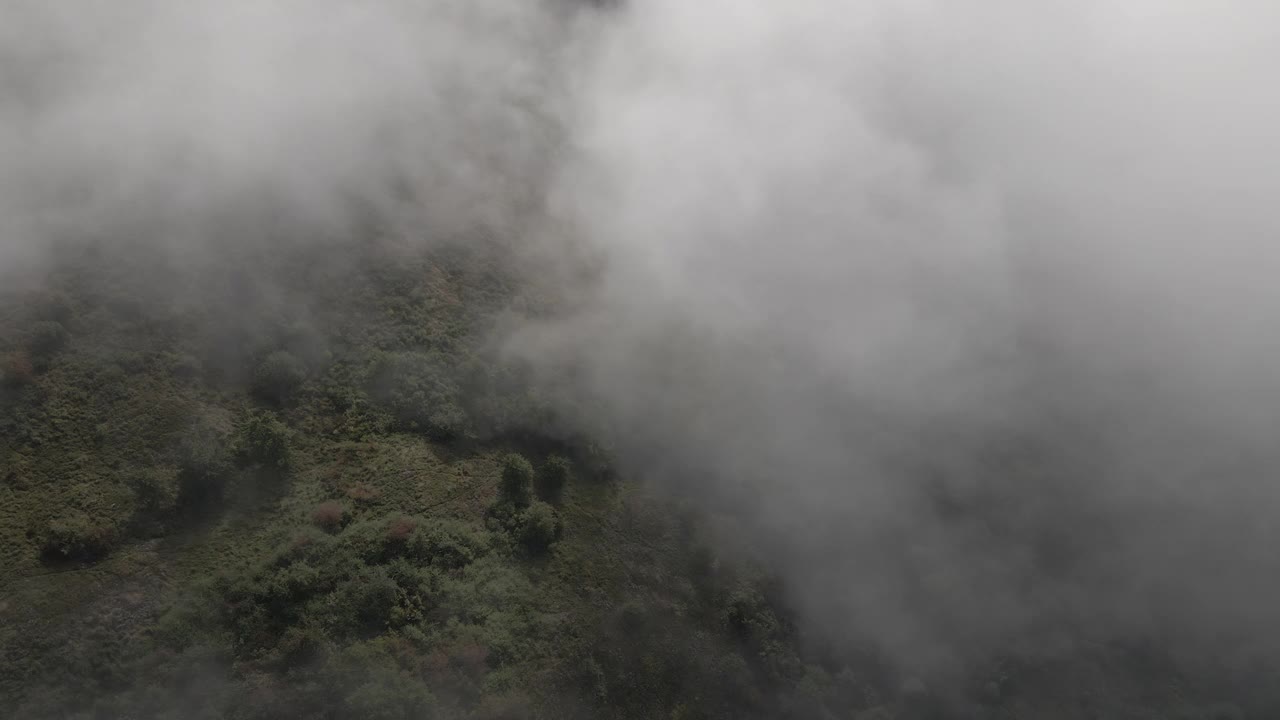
(448, 544)
(278, 376)
(366, 540)
(540, 526)
(377, 687)
(420, 391)
(517, 479)
(263, 442)
(367, 600)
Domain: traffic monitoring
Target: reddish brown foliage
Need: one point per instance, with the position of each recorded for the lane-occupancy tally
(329, 516)
(400, 529)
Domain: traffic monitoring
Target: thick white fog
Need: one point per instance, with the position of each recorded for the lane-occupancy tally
(971, 306)
(172, 119)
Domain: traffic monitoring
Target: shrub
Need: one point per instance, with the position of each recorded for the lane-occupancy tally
(420, 391)
(552, 477)
(400, 529)
(278, 376)
(308, 545)
(329, 516)
(263, 441)
(367, 600)
(448, 544)
(517, 477)
(540, 526)
(365, 539)
(372, 685)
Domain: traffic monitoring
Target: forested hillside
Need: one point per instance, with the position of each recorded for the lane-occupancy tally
(299, 484)
(303, 484)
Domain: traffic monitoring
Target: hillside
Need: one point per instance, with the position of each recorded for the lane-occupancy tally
(219, 503)
(301, 483)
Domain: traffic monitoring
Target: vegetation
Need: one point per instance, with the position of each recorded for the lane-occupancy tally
(552, 477)
(517, 481)
(278, 377)
(341, 505)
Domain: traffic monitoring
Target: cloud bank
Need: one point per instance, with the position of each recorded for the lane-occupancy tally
(968, 307)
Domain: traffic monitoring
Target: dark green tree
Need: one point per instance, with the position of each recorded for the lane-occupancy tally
(264, 442)
(517, 480)
(540, 526)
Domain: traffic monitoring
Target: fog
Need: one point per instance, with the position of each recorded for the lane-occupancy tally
(197, 124)
(969, 307)
(965, 311)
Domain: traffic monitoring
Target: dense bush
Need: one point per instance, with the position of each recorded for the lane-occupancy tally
(263, 442)
(420, 391)
(278, 376)
(540, 526)
(448, 544)
(517, 478)
(380, 686)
